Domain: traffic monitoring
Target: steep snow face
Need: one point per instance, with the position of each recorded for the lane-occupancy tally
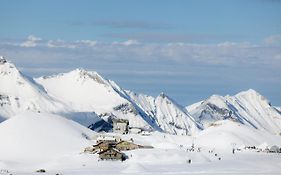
(34, 137)
(248, 107)
(88, 91)
(169, 116)
(20, 93)
(145, 102)
(172, 118)
(259, 110)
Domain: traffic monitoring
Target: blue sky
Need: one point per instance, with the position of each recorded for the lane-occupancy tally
(190, 49)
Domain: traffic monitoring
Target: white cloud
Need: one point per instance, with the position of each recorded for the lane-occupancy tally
(176, 65)
(60, 44)
(225, 53)
(31, 41)
(89, 43)
(273, 40)
(277, 57)
(70, 45)
(128, 42)
(228, 44)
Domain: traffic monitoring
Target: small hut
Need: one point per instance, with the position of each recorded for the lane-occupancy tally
(112, 154)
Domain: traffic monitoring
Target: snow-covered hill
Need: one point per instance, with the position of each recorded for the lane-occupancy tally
(247, 107)
(224, 133)
(33, 141)
(34, 137)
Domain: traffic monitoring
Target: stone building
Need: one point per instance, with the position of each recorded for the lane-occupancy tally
(120, 126)
(112, 154)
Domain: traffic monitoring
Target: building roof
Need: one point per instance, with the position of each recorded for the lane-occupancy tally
(106, 138)
(127, 142)
(114, 149)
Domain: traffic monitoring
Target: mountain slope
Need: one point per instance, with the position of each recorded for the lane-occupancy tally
(20, 93)
(93, 93)
(172, 118)
(248, 108)
(168, 115)
(278, 109)
(91, 90)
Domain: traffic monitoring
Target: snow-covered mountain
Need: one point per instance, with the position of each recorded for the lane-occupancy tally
(87, 91)
(248, 107)
(87, 98)
(20, 93)
(168, 114)
(92, 92)
(107, 99)
(93, 101)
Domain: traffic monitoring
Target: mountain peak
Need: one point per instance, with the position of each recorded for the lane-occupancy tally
(165, 98)
(79, 74)
(248, 92)
(252, 95)
(82, 73)
(252, 91)
(3, 60)
(216, 97)
(7, 67)
(163, 95)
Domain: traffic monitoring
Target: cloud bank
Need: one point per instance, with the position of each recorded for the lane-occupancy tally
(225, 54)
(176, 68)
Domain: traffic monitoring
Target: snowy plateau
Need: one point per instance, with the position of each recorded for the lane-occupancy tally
(47, 122)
